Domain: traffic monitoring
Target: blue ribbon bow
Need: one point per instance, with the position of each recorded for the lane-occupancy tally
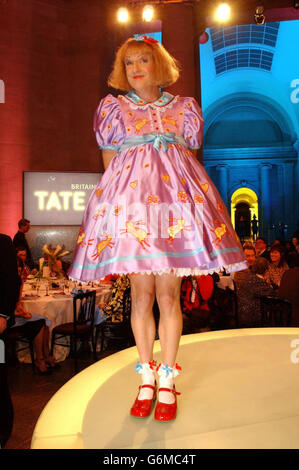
(157, 139)
(167, 369)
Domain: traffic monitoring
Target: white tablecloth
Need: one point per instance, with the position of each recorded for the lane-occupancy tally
(57, 308)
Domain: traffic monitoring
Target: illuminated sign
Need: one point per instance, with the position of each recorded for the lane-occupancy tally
(57, 198)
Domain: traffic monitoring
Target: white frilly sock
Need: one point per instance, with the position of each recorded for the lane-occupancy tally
(147, 378)
(167, 375)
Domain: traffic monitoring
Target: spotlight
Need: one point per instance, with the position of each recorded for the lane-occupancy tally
(148, 13)
(122, 15)
(296, 4)
(259, 16)
(223, 12)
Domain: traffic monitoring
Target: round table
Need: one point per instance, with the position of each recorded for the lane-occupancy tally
(57, 307)
(239, 390)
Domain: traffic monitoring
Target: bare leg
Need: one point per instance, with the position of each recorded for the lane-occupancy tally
(38, 346)
(168, 287)
(142, 318)
(46, 348)
(144, 327)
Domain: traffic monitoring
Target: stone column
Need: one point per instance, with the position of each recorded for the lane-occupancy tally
(265, 170)
(222, 183)
(288, 196)
(296, 188)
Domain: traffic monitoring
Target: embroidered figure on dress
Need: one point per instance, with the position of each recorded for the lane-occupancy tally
(153, 199)
(81, 236)
(140, 124)
(102, 245)
(182, 196)
(219, 232)
(165, 178)
(198, 199)
(133, 184)
(132, 228)
(173, 230)
(220, 207)
(205, 187)
(117, 210)
(168, 120)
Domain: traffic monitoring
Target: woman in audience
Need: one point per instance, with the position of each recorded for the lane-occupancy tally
(35, 327)
(250, 286)
(277, 266)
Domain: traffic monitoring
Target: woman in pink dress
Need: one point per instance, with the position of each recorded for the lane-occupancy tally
(155, 215)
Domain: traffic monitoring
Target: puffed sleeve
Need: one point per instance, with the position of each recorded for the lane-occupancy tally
(108, 124)
(193, 124)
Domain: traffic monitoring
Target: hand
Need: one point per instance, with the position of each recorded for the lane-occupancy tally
(26, 315)
(3, 324)
(20, 312)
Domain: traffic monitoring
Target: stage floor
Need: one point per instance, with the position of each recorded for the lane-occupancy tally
(239, 390)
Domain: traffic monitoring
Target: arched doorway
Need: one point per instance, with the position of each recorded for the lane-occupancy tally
(244, 206)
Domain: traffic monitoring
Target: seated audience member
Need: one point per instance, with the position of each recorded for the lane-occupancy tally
(295, 241)
(20, 240)
(277, 266)
(250, 286)
(292, 252)
(275, 242)
(36, 328)
(22, 257)
(289, 290)
(261, 248)
(250, 255)
(9, 292)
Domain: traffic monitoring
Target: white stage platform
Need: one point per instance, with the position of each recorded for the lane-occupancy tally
(239, 388)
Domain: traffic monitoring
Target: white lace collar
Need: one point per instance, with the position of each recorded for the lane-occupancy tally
(165, 100)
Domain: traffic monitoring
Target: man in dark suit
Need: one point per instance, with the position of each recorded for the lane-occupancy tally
(261, 248)
(9, 294)
(250, 286)
(19, 240)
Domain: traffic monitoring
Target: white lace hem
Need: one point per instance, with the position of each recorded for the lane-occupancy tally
(180, 272)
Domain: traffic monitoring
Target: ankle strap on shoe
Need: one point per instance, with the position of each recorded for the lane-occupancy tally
(172, 390)
(147, 386)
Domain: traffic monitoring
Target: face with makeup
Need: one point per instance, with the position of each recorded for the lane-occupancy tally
(139, 65)
(275, 256)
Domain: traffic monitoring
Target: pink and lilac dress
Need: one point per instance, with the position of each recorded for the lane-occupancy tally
(155, 210)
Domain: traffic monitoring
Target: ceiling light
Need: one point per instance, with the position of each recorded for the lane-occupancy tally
(148, 13)
(122, 15)
(223, 12)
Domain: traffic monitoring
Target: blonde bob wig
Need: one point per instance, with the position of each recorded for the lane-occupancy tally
(166, 68)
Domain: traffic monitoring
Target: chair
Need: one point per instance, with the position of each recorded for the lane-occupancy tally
(81, 327)
(117, 328)
(275, 311)
(12, 336)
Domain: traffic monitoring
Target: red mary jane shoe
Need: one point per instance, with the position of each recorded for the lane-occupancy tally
(142, 408)
(165, 411)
